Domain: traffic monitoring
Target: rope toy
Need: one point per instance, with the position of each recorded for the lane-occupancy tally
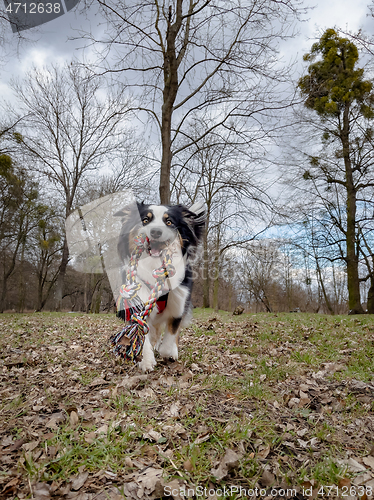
(129, 342)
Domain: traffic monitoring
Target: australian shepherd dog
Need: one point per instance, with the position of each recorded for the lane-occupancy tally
(163, 225)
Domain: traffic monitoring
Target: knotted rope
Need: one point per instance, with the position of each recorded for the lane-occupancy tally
(129, 342)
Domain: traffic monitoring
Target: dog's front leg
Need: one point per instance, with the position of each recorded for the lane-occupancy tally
(148, 362)
(169, 346)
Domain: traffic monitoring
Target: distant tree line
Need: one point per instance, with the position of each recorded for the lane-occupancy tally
(70, 137)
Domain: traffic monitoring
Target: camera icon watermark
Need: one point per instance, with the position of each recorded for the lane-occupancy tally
(27, 14)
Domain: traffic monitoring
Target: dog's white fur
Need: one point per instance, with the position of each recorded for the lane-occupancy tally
(168, 346)
(185, 228)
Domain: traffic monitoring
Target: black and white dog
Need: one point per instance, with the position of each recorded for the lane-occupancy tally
(163, 225)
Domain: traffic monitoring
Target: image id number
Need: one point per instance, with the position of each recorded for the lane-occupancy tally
(346, 491)
(34, 8)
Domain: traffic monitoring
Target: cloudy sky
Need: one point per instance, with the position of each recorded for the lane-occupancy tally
(52, 43)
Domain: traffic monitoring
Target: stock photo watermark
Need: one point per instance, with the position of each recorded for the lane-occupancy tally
(29, 14)
(240, 492)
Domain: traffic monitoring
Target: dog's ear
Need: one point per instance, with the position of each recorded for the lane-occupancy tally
(195, 218)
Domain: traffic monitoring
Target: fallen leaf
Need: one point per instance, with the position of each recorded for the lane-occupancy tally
(56, 418)
(174, 409)
(202, 438)
(132, 382)
(293, 402)
(302, 432)
(102, 430)
(345, 481)
(30, 446)
(229, 461)
(353, 465)
(263, 451)
(188, 465)
(147, 393)
(369, 461)
(41, 491)
(74, 419)
(152, 435)
(98, 381)
(90, 437)
(79, 481)
(267, 479)
(6, 441)
(17, 444)
(11, 487)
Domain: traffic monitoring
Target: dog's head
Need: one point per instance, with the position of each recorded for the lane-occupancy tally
(162, 224)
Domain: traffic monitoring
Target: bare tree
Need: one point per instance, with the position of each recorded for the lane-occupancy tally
(19, 215)
(71, 130)
(187, 58)
(223, 172)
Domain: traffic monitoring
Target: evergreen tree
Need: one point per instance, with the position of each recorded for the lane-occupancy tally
(335, 88)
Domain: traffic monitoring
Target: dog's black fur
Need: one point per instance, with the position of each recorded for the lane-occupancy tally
(159, 223)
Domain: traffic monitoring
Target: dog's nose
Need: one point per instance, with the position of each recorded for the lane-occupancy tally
(156, 233)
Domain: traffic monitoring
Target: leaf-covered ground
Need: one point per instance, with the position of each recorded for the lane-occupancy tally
(279, 402)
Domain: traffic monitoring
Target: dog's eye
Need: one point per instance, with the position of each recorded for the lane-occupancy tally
(168, 222)
(145, 220)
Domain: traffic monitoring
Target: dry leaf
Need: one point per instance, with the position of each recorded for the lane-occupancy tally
(74, 419)
(79, 481)
(369, 461)
(345, 481)
(6, 441)
(174, 409)
(267, 479)
(188, 465)
(11, 487)
(30, 446)
(147, 393)
(229, 461)
(152, 435)
(56, 418)
(90, 437)
(98, 381)
(202, 438)
(41, 491)
(102, 430)
(17, 444)
(263, 451)
(132, 382)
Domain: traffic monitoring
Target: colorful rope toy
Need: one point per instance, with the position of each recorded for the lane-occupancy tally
(129, 342)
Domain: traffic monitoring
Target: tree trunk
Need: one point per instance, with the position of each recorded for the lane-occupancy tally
(370, 301)
(216, 274)
(352, 257)
(61, 276)
(6, 276)
(21, 291)
(319, 278)
(206, 277)
(169, 96)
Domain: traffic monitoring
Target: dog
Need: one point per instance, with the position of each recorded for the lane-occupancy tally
(165, 227)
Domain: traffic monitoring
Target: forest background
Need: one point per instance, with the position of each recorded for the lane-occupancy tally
(187, 101)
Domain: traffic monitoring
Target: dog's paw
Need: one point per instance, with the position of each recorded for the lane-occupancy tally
(147, 365)
(168, 350)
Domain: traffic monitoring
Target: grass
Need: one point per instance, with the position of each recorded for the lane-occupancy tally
(236, 386)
